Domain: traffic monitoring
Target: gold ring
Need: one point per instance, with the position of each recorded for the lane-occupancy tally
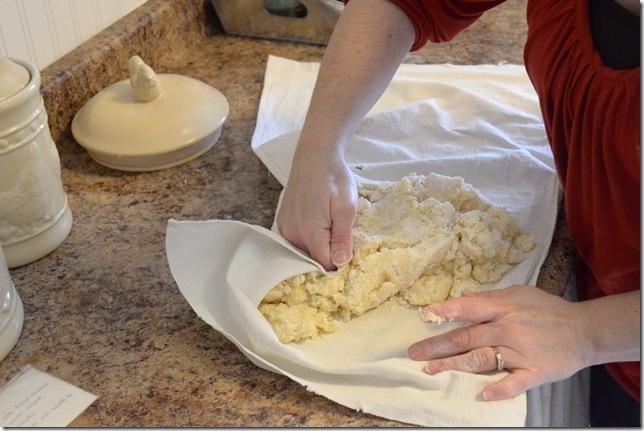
(500, 363)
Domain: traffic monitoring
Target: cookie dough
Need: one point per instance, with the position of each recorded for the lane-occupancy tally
(420, 240)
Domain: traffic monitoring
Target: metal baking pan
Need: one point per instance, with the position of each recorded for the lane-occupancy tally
(310, 21)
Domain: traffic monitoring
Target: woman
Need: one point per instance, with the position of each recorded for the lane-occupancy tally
(588, 84)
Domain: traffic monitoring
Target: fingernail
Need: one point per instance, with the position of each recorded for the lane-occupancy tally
(488, 395)
(432, 368)
(340, 258)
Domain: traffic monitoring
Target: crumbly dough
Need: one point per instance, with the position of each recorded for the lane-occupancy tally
(420, 240)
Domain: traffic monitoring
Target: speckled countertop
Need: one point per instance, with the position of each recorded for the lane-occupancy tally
(103, 312)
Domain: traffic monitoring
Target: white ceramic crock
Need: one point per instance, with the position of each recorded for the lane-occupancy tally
(34, 216)
(11, 311)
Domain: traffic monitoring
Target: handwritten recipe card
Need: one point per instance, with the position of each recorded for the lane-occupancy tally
(36, 399)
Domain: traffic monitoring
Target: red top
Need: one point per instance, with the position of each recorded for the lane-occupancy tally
(592, 119)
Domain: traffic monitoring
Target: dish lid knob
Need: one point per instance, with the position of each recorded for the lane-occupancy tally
(145, 84)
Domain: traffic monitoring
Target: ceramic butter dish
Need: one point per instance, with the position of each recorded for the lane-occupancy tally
(149, 121)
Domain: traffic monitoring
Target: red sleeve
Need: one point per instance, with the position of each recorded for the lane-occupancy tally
(442, 20)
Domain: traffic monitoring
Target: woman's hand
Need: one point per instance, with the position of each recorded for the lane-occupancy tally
(369, 42)
(541, 338)
(318, 209)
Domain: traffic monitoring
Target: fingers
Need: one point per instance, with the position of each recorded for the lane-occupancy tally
(521, 321)
(332, 248)
(473, 308)
(317, 212)
(510, 386)
(480, 360)
(318, 248)
(484, 360)
(342, 238)
(470, 307)
(466, 309)
(311, 238)
(341, 251)
(451, 343)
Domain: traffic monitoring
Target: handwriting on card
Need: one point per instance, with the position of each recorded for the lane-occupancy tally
(36, 399)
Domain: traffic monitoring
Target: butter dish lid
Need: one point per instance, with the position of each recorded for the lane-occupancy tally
(13, 78)
(150, 121)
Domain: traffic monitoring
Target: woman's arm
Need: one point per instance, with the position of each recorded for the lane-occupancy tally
(613, 323)
(370, 41)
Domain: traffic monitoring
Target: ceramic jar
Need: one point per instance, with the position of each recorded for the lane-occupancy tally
(11, 311)
(34, 216)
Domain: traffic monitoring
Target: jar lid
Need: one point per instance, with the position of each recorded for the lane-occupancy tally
(13, 78)
(149, 121)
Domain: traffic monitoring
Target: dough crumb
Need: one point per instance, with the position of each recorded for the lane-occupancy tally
(421, 240)
(428, 316)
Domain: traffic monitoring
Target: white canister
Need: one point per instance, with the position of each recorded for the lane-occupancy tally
(34, 216)
(11, 311)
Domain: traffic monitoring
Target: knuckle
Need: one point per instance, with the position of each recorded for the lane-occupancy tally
(342, 239)
(347, 207)
(462, 340)
(473, 361)
(469, 306)
(477, 360)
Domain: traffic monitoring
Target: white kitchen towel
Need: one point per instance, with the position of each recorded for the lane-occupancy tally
(478, 122)
(224, 268)
(428, 112)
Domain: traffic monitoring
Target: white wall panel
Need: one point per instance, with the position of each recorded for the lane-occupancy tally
(40, 34)
(12, 30)
(67, 35)
(108, 11)
(42, 31)
(88, 18)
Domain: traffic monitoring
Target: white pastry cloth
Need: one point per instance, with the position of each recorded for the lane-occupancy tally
(479, 122)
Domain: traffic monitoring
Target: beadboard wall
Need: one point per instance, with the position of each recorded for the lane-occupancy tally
(42, 31)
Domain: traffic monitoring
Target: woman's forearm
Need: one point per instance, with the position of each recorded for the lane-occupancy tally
(371, 39)
(614, 328)
(368, 44)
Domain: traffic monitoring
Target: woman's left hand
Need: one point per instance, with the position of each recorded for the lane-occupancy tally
(540, 337)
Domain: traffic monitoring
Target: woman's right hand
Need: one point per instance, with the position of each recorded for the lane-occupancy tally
(370, 41)
(318, 208)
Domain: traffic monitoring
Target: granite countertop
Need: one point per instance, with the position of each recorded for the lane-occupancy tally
(103, 312)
